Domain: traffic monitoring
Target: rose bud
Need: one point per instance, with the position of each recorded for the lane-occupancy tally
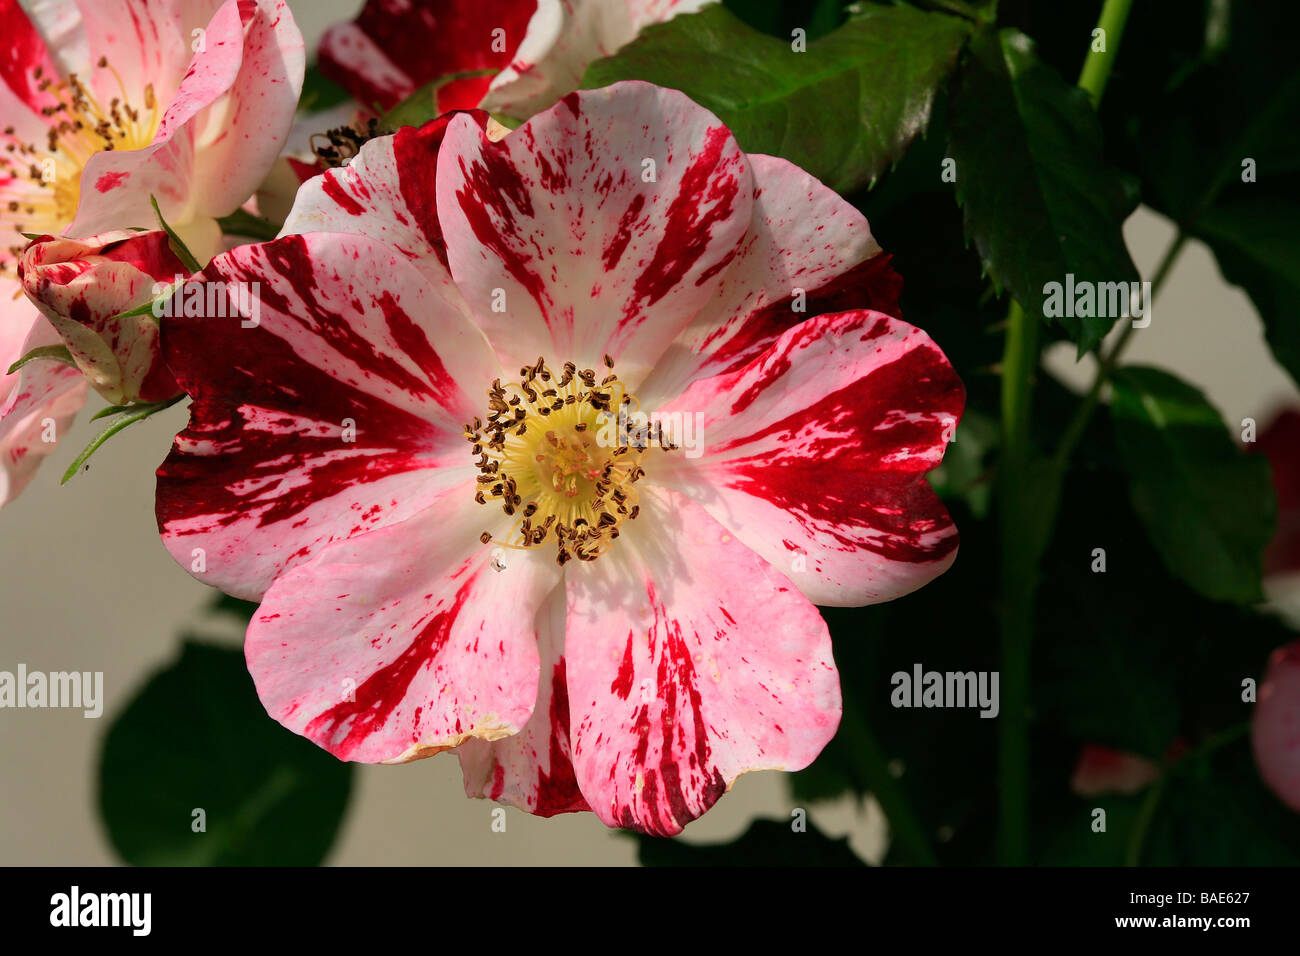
(83, 286)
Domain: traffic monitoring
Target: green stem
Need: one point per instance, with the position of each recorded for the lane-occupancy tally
(1106, 364)
(1019, 553)
(1020, 358)
(1147, 812)
(1097, 66)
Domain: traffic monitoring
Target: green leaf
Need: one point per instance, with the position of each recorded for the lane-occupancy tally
(1257, 243)
(765, 843)
(1070, 839)
(1234, 108)
(137, 412)
(1215, 811)
(178, 247)
(845, 110)
(57, 353)
(1207, 505)
(241, 222)
(197, 738)
(422, 105)
(1039, 200)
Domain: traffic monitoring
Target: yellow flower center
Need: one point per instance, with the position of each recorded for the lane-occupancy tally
(552, 454)
(44, 181)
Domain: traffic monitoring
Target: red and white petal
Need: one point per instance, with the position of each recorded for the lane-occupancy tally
(386, 192)
(1275, 725)
(807, 252)
(220, 134)
(394, 47)
(340, 411)
(815, 456)
(83, 288)
(533, 770)
(405, 641)
(690, 662)
(38, 402)
(564, 37)
(563, 249)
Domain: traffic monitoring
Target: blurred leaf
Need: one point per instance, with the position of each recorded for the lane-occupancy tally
(1070, 840)
(965, 471)
(844, 110)
(1208, 506)
(1215, 811)
(765, 843)
(1257, 243)
(1039, 200)
(1233, 107)
(196, 737)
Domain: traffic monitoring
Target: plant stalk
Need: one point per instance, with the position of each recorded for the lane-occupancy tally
(1019, 557)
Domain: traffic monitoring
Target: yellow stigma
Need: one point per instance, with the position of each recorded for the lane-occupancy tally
(552, 454)
(44, 180)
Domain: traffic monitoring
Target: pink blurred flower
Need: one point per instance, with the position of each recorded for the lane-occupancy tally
(614, 626)
(1101, 771)
(1275, 726)
(1279, 440)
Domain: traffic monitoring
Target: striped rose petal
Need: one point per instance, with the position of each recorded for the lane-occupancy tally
(815, 453)
(402, 642)
(561, 244)
(690, 661)
(386, 192)
(806, 252)
(37, 402)
(339, 412)
(533, 770)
